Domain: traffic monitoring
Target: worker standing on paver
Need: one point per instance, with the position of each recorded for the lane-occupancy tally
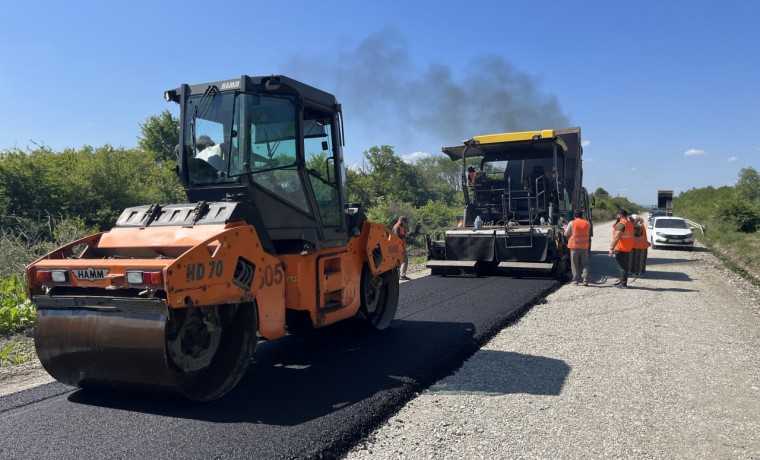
(621, 246)
(579, 244)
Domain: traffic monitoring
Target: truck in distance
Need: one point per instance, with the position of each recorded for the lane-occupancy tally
(665, 201)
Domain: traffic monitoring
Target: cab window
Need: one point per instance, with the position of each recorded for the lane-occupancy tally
(318, 148)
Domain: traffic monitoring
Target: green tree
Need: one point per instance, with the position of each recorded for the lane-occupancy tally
(442, 179)
(160, 134)
(701, 204)
(435, 216)
(385, 174)
(748, 185)
(28, 182)
(601, 194)
(738, 214)
(387, 212)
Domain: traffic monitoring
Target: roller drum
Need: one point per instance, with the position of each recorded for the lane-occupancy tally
(92, 348)
(198, 353)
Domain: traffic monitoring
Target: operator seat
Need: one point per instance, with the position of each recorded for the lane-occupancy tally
(481, 189)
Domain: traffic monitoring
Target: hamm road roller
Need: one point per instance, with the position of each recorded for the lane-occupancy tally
(176, 297)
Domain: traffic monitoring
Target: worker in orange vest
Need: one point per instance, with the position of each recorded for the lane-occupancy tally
(640, 246)
(579, 242)
(621, 246)
(399, 229)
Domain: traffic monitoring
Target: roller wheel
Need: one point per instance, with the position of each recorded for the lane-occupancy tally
(209, 348)
(379, 298)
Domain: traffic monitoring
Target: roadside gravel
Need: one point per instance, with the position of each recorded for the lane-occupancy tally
(666, 369)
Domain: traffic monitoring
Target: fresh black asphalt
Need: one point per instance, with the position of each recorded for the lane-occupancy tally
(313, 395)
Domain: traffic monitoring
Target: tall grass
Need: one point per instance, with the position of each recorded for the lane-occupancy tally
(15, 353)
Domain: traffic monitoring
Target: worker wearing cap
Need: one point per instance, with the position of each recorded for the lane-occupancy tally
(470, 176)
(621, 246)
(399, 229)
(209, 151)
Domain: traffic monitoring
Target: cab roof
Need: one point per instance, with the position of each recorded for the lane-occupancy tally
(280, 83)
(517, 145)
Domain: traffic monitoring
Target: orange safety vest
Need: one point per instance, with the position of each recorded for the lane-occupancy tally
(470, 178)
(399, 231)
(626, 240)
(640, 242)
(579, 239)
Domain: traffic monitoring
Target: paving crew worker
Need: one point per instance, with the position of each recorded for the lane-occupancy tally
(579, 243)
(470, 176)
(621, 246)
(640, 246)
(399, 229)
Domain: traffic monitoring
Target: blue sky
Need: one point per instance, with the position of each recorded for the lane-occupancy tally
(667, 92)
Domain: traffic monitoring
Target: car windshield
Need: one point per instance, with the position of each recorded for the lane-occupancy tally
(670, 223)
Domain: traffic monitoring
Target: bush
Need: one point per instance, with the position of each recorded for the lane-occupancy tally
(16, 311)
(739, 215)
(22, 241)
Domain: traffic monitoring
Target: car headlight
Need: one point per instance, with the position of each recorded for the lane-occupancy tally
(689, 235)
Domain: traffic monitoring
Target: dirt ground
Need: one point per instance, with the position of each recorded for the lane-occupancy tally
(18, 377)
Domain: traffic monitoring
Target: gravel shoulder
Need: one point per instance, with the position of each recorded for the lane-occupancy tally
(666, 369)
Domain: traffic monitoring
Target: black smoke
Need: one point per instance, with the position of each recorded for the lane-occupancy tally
(423, 106)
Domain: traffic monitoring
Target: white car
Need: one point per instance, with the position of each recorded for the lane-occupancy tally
(672, 232)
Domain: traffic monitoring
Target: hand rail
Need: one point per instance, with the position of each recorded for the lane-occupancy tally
(696, 225)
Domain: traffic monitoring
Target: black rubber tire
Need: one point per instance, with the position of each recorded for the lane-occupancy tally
(230, 361)
(379, 298)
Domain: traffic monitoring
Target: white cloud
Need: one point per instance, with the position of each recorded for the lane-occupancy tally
(634, 169)
(355, 167)
(588, 160)
(692, 152)
(732, 159)
(413, 157)
(585, 143)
